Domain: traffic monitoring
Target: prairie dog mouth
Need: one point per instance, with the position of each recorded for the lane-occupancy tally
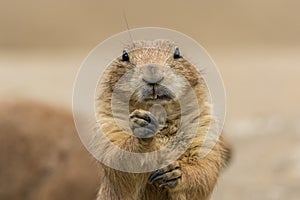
(156, 93)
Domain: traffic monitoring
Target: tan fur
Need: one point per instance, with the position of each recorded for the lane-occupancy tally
(42, 156)
(199, 175)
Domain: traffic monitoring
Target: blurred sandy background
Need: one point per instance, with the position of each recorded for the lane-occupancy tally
(255, 44)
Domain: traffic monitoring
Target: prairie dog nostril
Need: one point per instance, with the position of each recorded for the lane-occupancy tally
(152, 74)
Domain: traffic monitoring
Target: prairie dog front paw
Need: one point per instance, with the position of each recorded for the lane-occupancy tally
(143, 124)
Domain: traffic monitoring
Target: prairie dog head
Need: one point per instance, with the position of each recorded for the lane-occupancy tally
(151, 72)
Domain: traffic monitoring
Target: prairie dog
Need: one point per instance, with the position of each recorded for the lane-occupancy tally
(41, 155)
(157, 79)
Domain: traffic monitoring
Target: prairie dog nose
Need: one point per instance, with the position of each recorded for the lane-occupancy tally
(152, 74)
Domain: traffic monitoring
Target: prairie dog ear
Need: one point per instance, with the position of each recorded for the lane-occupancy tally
(125, 56)
(176, 53)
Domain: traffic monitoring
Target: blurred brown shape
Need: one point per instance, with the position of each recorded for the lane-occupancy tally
(41, 155)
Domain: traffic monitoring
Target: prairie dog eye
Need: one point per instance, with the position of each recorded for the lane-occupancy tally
(125, 56)
(176, 53)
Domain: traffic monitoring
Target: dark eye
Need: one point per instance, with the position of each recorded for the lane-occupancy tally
(176, 53)
(125, 56)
